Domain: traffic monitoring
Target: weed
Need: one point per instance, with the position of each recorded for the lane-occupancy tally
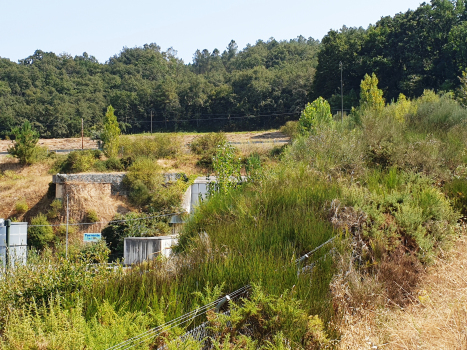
(91, 216)
(206, 146)
(21, 206)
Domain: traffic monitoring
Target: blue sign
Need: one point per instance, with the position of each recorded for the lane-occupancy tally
(91, 237)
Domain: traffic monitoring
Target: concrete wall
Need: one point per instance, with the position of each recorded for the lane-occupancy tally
(138, 249)
(114, 179)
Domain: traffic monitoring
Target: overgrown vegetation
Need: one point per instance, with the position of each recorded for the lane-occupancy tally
(388, 182)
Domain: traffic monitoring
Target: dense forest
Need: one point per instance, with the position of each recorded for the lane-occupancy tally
(263, 85)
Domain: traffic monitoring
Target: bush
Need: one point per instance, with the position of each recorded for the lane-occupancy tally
(114, 164)
(437, 113)
(456, 190)
(55, 208)
(145, 170)
(21, 206)
(40, 236)
(315, 114)
(291, 129)
(77, 161)
(91, 216)
(206, 147)
(157, 146)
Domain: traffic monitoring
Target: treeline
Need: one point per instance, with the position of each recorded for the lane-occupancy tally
(261, 86)
(410, 52)
(264, 84)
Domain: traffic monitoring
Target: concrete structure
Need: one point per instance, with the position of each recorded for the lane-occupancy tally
(18, 243)
(198, 190)
(114, 179)
(138, 249)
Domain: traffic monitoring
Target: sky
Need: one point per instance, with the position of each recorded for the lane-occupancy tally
(103, 27)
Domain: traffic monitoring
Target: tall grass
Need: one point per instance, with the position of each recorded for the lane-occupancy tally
(253, 235)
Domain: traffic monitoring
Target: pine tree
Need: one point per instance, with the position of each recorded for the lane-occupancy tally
(111, 133)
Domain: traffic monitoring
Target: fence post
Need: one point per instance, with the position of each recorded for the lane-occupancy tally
(7, 252)
(221, 303)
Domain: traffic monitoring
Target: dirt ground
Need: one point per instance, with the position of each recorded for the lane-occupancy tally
(75, 143)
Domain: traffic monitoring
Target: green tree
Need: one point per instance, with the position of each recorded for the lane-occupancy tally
(371, 98)
(227, 166)
(25, 143)
(111, 133)
(462, 92)
(315, 114)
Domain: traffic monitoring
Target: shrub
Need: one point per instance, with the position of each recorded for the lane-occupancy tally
(145, 170)
(114, 164)
(437, 113)
(40, 236)
(206, 147)
(55, 208)
(77, 161)
(291, 129)
(157, 146)
(91, 216)
(315, 114)
(457, 192)
(21, 206)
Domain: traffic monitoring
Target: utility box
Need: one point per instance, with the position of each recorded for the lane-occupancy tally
(139, 249)
(17, 253)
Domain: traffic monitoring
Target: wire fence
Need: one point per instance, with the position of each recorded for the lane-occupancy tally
(201, 331)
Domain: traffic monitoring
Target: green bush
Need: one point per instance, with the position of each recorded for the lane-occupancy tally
(21, 206)
(114, 164)
(157, 146)
(55, 207)
(315, 115)
(40, 236)
(77, 161)
(91, 216)
(206, 146)
(438, 114)
(456, 190)
(291, 129)
(145, 170)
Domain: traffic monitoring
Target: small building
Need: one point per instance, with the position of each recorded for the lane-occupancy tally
(139, 249)
(18, 243)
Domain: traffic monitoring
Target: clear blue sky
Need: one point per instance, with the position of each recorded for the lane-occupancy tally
(103, 27)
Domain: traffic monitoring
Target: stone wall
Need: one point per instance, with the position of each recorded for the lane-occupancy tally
(114, 179)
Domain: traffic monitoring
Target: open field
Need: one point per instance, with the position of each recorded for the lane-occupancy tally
(75, 143)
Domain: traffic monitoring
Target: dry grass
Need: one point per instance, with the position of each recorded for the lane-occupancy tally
(17, 182)
(54, 144)
(435, 317)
